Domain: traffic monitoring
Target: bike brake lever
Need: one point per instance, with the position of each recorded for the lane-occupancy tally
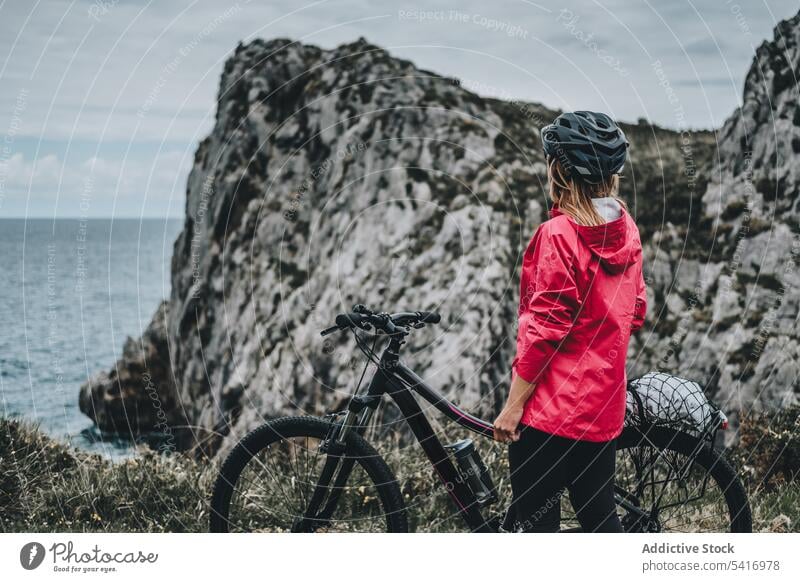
(330, 330)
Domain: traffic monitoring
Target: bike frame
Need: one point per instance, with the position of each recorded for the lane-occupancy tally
(394, 378)
(400, 383)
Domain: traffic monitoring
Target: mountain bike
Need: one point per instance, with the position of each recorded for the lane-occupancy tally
(309, 474)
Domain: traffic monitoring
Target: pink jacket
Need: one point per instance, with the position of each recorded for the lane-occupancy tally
(581, 295)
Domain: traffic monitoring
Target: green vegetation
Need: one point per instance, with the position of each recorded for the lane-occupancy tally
(46, 486)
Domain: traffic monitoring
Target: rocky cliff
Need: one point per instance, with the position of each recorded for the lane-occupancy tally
(726, 288)
(340, 176)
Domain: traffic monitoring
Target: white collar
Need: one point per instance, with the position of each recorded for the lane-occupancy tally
(608, 208)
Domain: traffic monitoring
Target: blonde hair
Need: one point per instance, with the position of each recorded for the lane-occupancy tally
(574, 197)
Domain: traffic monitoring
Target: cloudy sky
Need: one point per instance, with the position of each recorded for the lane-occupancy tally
(103, 101)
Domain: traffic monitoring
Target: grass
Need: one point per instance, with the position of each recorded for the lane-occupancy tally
(46, 486)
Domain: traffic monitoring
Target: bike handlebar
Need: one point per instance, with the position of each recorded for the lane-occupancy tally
(412, 317)
(344, 320)
(430, 316)
(363, 318)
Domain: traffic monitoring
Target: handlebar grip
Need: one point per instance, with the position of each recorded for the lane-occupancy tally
(350, 320)
(330, 330)
(429, 317)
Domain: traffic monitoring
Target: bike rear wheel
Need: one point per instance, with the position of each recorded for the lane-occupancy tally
(672, 481)
(270, 479)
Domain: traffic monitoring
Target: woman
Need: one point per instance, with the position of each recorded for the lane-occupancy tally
(581, 296)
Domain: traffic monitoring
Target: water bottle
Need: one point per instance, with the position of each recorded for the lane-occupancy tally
(473, 472)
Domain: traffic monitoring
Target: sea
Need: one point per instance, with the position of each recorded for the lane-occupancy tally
(71, 292)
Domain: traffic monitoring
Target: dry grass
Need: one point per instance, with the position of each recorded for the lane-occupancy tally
(45, 486)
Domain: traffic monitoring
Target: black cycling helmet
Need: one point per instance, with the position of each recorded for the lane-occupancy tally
(589, 145)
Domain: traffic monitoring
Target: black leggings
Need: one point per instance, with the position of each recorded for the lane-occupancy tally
(542, 465)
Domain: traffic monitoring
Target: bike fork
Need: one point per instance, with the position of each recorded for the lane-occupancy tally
(357, 417)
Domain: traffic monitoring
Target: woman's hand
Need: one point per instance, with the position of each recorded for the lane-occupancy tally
(505, 425)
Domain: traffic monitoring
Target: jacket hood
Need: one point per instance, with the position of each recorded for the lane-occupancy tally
(616, 243)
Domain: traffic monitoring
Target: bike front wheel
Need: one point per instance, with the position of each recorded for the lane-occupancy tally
(280, 478)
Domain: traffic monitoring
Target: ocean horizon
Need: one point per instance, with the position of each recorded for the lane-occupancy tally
(73, 290)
